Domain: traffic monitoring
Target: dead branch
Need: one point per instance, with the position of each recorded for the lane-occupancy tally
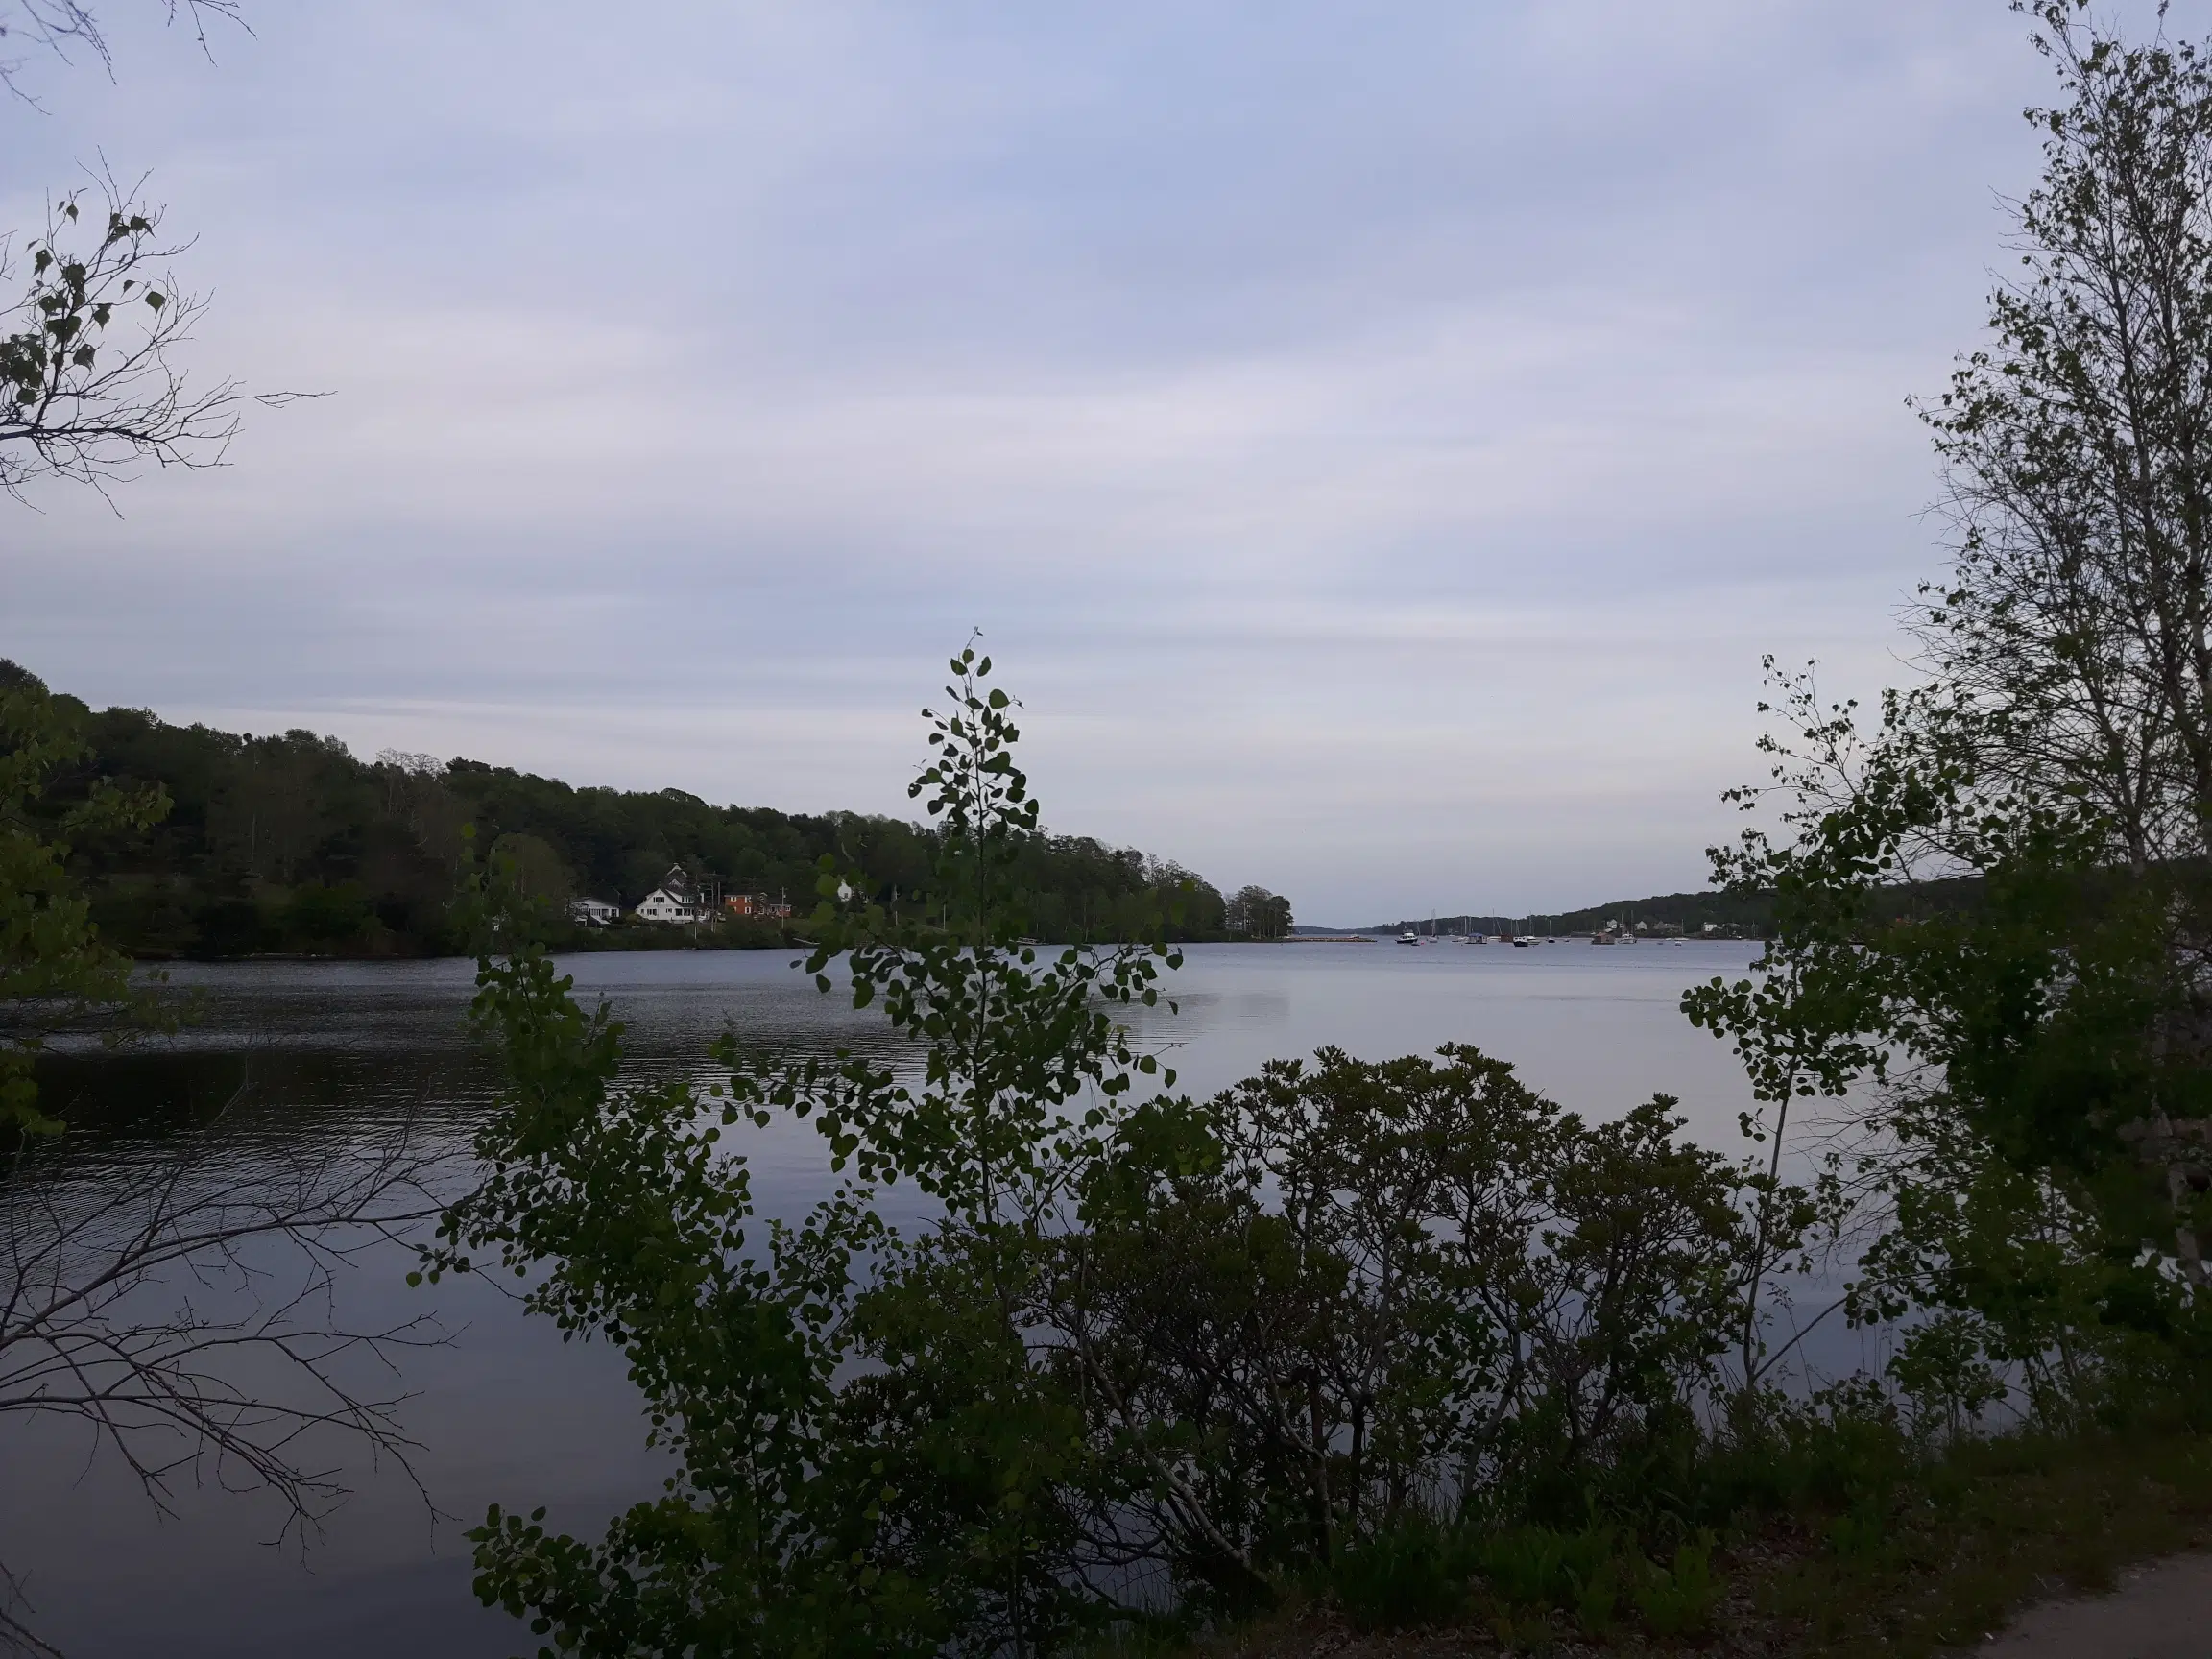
(62, 27)
(178, 1302)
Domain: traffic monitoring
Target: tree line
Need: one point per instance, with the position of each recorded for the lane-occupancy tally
(1731, 908)
(1736, 914)
(292, 844)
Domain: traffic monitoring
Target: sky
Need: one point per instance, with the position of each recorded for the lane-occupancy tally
(1378, 443)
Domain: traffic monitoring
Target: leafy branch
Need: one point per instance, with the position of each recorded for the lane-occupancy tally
(88, 384)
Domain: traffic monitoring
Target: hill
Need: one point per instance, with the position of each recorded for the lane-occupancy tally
(1730, 915)
(1709, 914)
(292, 844)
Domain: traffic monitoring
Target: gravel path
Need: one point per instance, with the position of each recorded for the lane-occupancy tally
(2162, 1612)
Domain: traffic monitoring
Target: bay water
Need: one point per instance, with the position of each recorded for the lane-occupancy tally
(291, 1058)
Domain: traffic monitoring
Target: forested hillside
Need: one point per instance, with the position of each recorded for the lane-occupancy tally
(1736, 915)
(292, 844)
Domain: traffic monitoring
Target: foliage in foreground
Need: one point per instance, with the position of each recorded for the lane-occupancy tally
(2025, 1082)
(1863, 1540)
(1943, 1554)
(1404, 1332)
(1153, 1357)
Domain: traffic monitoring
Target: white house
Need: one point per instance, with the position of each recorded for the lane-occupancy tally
(675, 899)
(595, 912)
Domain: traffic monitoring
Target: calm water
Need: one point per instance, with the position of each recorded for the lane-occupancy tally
(312, 1054)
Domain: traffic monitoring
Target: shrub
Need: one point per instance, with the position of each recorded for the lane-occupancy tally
(1679, 1599)
(1538, 1567)
(1411, 1573)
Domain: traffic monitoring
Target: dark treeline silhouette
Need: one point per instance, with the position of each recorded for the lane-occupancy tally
(1731, 914)
(1721, 913)
(292, 844)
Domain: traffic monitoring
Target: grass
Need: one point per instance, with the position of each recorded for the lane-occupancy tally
(1945, 1558)
(1995, 1525)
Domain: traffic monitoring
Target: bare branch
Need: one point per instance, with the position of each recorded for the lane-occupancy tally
(178, 1302)
(60, 27)
(15, 1636)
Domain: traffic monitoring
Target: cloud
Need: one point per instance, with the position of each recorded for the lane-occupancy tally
(1378, 445)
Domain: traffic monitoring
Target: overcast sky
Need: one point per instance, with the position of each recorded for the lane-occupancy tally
(1378, 443)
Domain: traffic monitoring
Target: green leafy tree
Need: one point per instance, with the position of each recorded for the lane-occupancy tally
(1256, 913)
(2027, 1063)
(872, 1462)
(538, 873)
(54, 970)
(89, 383)
(1309, 1306)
